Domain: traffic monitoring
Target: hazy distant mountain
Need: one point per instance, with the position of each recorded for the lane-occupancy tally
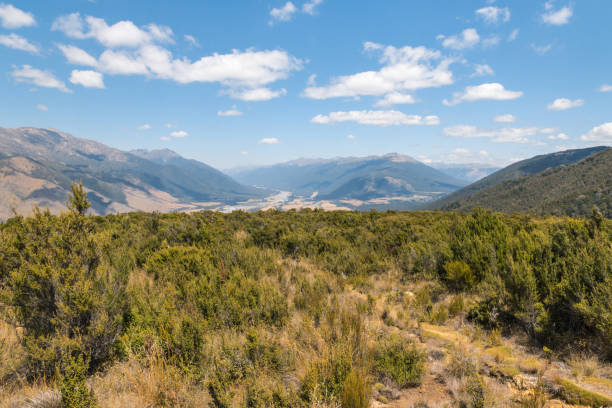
(466, 171)
(352, 178)
(38, 165)
(563, 183)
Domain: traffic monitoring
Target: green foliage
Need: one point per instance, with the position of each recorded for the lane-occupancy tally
(459, 275)
(326, 377)
(399, 360)
(574, 394)
(475, 390)
(456, 306)
(78, 201)
(73, 386)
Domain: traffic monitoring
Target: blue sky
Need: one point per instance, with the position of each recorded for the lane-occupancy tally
(242, 82)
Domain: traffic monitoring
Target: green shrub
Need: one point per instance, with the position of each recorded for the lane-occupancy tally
(399, 360)
(73, 386)
(459, 275)
(326, 378)
(456, 306)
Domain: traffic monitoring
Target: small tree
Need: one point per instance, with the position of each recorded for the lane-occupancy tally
(77, 201)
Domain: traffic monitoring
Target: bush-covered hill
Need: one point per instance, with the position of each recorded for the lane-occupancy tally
(570, 190)
(516, 171)
(292, 309)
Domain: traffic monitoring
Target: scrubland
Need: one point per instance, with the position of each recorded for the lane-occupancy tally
(305, 309)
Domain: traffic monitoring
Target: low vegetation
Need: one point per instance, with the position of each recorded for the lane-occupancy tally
(307, 308)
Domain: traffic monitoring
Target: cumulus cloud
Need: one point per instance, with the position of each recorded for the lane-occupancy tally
(18, 42)
(601, 133)
(44, 79)
(257, 94)
(376, 118)
(395, 98)
(350, 137)
(42, 107)
(560, 136)
(605, 88)
(245, 73)
(558, 17)
(77, 56)
(12, 17)
(492, 14)
(88, 79)
(179, 133)
(120, 34)
(146, 126)
(507, 118)
(404, 69)
(503, 135)
(483, 70)
(561, 104)
(284, 13)
(269, 140)
(230, 112)
(490, 91)
(309, 7)
(467, 39)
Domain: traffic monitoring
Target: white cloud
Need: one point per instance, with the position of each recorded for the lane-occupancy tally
(18, 42)
(70, 24)
(494, 14)
(244, 153)
(490, 91)
(284, 13)
(121, 63)
(230, 112)
(513, 35)
(42, 107)
(350, 137)
(564, 104)
(77, 56)
(492, 41)
(605, 88)
(507, 118)
(601, 133)
(269, 140)
(44, 79)
(191, 40)
(165, 138)
(395, 98)
(88, 79)
(146, 126)
(560, 136)
(257, 94)
(120, 34)
(405, 69)
(557, 17)
(243, 72)
(503, 135)
(309, 7)
(179, 133)
(541, 49)
(12, 17)
(483, 70)
(467, 39)
(376, 118)
(464, 155)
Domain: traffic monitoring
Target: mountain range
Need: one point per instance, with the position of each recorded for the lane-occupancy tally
(355, 178)
(38, 165)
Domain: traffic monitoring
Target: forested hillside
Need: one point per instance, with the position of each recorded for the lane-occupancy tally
(570, 190)
(307, 308)
(516, 171)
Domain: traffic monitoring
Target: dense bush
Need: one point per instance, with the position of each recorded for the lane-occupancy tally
(399, 360)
